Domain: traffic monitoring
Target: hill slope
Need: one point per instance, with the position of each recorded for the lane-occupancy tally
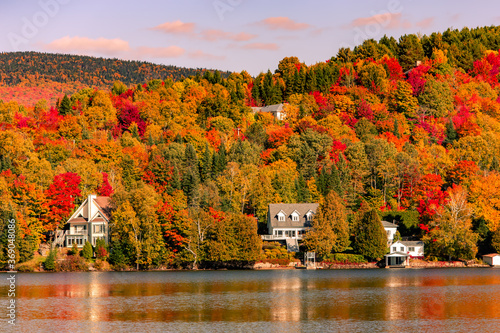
(17, 66)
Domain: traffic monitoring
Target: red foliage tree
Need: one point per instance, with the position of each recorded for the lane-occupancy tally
(105, 190)
(61, 196)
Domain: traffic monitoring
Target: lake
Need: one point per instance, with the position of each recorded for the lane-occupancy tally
(376, 300)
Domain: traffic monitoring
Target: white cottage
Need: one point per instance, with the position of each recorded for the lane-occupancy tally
(401, 251)
(390, 230)
(89, 222)
(492, 259)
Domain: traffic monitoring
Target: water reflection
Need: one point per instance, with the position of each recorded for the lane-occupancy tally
(350, 298)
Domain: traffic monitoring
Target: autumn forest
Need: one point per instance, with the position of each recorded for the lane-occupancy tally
(408, 128)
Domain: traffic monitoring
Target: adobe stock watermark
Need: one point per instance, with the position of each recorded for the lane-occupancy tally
(378, 20)
(223, 6)
(11, 277)
(32, 25)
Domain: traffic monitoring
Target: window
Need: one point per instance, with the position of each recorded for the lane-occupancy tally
(411, 249)
(69, 241)
(80, 229)
(295, 217)
(281, 217)
(309, 217)
(388, 232)
(402, 249)
(278, 232)
(98, 228)
(394, 249)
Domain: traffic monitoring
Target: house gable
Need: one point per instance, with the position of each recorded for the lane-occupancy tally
(89, 222)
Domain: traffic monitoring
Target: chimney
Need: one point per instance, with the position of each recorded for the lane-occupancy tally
(89, 205)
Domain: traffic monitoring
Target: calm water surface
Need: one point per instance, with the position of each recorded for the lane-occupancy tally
(380, 300)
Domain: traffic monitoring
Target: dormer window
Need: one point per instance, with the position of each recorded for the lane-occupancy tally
(295, 216)
(281, 217)
(309, 216)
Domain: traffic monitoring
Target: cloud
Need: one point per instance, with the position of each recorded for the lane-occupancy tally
(199, 54)
(387, 20)
(214, 34)
(262, 46)
(425, 23)
(283, 23)
(176, 27)
(85, 44)
(160, 52)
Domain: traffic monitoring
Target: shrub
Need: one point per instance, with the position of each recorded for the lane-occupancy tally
(87, 251)
(345, 258)
(73, 263)
(74, 250)
(50, 263)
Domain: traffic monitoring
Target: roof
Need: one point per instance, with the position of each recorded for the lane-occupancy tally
(272, 108)
(288, 209)
(389, 224)
(412, 243)
(397, 254)
(79, 220)
(104, 205)
(491, 255)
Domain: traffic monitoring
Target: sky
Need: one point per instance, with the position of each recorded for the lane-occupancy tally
(233, 35)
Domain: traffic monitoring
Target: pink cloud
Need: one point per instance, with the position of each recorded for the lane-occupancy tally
(160, 52)
(425, 23)
(387, 20)
(176, 27)
(455, 18)
(205, 56)
(214, 34)
(262, 46)
(85, 44)
(283, 23)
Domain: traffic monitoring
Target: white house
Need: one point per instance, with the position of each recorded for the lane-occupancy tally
(289, 222)
(390, 230)
(492, 259)
(401, 251)
(276, 110)
(89, 222)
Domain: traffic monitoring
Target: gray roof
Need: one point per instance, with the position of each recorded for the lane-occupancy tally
(272, 108)
(288, 209)
(389, 224)
(412, 243)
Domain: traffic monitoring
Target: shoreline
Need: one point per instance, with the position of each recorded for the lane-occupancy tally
(269, 266)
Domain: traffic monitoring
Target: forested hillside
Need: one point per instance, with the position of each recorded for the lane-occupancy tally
(190, 166)
(29, 76)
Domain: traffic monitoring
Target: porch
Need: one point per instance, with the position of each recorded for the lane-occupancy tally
(396, 259)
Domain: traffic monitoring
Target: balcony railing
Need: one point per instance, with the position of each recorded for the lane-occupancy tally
(276, 237)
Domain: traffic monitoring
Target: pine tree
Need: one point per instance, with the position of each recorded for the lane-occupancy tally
(50, 262)
(206, 164)
(370, 236)
(451, 133)
(330, 227)
(396, 129)
(65, 106)
(87, 251)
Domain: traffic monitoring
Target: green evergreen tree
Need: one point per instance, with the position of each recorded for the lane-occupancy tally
(74, 250)
(330, 227)
(396, 129)
(451, 133)
(50, 262)
(370, 236)
(206, 164)
(65, 106)
(87, 251)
